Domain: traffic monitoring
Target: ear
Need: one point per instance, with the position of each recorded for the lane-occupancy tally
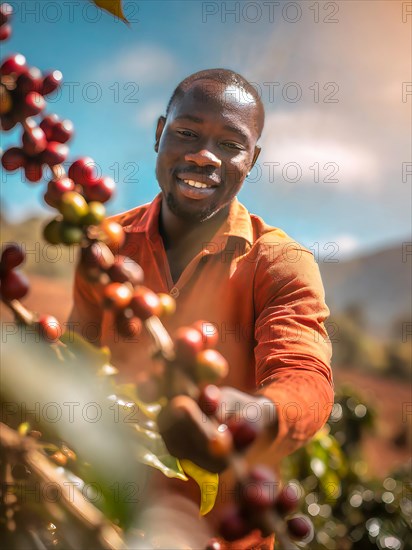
(159, 129)
(255, 156)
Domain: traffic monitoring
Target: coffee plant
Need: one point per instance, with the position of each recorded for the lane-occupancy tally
(351, 509)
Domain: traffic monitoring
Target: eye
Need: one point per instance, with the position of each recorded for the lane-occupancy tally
(186, 133)
(232, 145)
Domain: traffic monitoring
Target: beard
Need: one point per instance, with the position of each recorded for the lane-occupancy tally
(191, 215)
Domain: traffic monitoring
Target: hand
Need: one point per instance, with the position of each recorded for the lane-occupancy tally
(190, 433)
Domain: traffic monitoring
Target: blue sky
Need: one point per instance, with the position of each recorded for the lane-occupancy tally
(330, 75)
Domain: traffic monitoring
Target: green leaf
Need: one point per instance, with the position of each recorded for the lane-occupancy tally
(208, 484)
(151, 410)
(112, 6)
(167, 464)
(331, 486)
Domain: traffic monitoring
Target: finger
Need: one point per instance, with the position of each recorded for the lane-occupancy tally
(247, 416)
(188, 433)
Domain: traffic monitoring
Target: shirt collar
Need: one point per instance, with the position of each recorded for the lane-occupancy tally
(237, 224)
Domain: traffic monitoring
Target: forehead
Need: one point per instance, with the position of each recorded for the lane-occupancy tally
(226, 103)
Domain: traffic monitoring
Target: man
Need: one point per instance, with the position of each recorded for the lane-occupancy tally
(260, 288)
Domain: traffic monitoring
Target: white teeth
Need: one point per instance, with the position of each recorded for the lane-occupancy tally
(197, 184)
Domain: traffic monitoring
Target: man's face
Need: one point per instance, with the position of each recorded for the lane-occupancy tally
(206, 147)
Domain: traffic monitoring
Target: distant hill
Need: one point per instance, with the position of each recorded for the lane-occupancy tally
(379, 284)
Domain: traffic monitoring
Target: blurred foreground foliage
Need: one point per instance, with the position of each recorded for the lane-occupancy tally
(74, 465)
(350, 509)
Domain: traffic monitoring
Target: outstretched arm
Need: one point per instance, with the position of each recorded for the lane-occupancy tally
(294, 393)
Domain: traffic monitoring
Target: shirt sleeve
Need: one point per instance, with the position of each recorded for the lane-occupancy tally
(293, 350)
(87, 313)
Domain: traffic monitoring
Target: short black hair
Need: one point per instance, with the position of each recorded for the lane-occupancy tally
(225, 77)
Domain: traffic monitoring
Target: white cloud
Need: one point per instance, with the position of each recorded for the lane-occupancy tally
(335, 248)
(296, 140)
(147, 64)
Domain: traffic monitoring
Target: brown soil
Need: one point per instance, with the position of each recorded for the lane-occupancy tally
(52, 296)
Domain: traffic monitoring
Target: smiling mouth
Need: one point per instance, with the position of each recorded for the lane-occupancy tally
(195, 189)
(197, 184)
(199, 181)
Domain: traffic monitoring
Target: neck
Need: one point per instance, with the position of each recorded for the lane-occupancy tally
(177, 232)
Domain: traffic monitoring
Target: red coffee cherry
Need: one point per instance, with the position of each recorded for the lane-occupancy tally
(209, 332)
(82, 171)
(209, 399)
(51, 82)
(6, 11)
(55, 153)
(14, 64)
(100, 189)
(300, 528)
(61, 131)
(14, 286)
(29, 81)
(56, 188)
(287, 500)
(34, 141)
(11, 257)
(125, 270)
(49, 328)
(117, 296)
(188, 343)
(33, 170)
(243, 432)
(127, 324)
(211, 366)
(13, 159)
(47, 125)
(5, 32)
(33, 104)
(96, 255)
(259, 490)
(145, 303)
(234, 524)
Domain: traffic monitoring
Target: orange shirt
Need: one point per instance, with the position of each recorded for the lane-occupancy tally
(263, 292)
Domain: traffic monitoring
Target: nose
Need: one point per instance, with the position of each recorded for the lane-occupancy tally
(203, 158)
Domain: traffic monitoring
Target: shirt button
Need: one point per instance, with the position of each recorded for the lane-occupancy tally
(174, 292)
